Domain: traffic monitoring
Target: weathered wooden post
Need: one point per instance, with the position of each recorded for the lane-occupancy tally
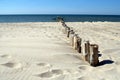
(75, 41)
(87, 51)
(62, 22)
(71, 36)
(79, 40)
(64, 25)
(68, 32)
(94, 58)
(60, 19)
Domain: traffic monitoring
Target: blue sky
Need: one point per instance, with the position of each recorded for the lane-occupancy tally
(60, 7)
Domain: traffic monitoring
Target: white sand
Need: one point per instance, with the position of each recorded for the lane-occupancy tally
(40, 51)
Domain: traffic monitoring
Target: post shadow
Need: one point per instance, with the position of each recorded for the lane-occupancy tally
(104, 62)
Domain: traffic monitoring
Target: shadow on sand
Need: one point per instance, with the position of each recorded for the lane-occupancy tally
(105, 62)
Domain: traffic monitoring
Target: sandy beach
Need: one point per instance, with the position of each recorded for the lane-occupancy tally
(41, 51)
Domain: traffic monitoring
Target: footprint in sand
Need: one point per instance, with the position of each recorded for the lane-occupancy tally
(57, 71)
(51, 74)
(45, 75)
(6, 56)
(117, 62)
(44, 65)
(85, 67)
(48, 36)
(12, 64)
(71, 71)
(84, 78)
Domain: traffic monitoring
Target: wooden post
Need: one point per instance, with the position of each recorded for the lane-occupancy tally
(62, 22)
(71, 36)
(79, 40)
(68, 33)
(60, 19)
(87, 51)
(75, 41)
(64, 25)
(94, 58)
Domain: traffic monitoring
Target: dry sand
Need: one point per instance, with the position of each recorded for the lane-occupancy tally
(40, 51)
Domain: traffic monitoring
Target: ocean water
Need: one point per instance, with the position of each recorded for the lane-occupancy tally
(52, 18)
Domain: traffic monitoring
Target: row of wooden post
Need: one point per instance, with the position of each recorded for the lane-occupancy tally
(91, 50)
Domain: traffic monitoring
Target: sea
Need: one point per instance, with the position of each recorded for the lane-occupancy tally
(52, 18)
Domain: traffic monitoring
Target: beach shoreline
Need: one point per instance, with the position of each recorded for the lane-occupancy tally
(40, 51)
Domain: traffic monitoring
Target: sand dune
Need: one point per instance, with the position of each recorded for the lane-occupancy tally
(40, 51)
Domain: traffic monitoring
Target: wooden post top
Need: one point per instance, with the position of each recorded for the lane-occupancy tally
(94, 45)
(72, 32)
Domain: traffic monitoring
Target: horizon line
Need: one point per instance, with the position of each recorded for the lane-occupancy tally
(60, 14)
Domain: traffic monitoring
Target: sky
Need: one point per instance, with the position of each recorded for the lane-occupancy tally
(111, 7)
